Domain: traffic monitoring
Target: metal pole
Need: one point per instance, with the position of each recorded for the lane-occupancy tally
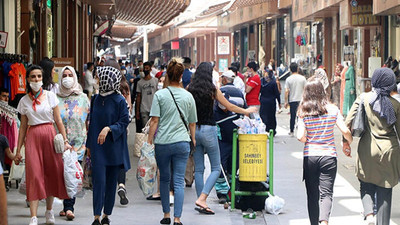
(145, 46)
(233, 187)
(271, 161)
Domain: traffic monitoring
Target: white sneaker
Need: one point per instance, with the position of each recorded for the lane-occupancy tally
(33, 221)
(171, 199)
(370, 220)
(50, 217)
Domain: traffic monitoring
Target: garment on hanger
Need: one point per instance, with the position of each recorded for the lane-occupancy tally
(18, 81)
(350, 90)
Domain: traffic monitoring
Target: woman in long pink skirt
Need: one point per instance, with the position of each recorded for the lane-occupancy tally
(44, 167)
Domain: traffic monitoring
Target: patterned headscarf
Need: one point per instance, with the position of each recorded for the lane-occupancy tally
(110, 80)
(322, 76)
(75, 89)
(341, 69)
(383, 82)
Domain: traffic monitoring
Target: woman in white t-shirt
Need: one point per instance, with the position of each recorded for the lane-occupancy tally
(44, 167)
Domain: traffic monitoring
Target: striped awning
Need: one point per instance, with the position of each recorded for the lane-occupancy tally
(243, 3)
(145, 12)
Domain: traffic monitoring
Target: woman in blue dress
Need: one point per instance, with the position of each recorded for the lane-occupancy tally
(107, 141)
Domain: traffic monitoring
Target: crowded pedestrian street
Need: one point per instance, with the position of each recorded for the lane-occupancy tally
(236, 112)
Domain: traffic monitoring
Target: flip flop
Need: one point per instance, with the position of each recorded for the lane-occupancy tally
(62, 213)
(70, 215)
(206, 210)
(153, 198)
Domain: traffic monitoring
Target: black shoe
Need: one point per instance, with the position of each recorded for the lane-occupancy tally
(122, 194)
(165, 221)
(105, 221)
(188, 185)
(176, 223)
(96, 222)
(153, 198)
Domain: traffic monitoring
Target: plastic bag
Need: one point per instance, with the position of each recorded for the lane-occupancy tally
(73, 174)
(146, 173)
(22, 184)
(17, 171)
(87, 172)
(274, 204)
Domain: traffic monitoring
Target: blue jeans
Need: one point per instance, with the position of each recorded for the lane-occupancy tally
(176, 154)
(206, 142)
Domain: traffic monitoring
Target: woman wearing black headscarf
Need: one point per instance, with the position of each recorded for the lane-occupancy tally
(269, 94)
(378, 158)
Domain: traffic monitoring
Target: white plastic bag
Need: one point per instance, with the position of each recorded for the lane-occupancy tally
(274, 204)
(17, 171)
(22, 184)
(146, 173)
(73, 174)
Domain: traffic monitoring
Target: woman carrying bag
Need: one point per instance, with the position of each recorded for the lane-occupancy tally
(378, 158)
(172, 140)
(44, 167)
(74, 109)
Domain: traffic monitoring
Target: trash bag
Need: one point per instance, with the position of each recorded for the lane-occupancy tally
(274, 204)
(73, 175)
(146, 173)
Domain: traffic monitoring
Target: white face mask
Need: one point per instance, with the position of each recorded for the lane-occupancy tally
(123, 72)
(160, 86)
(68, 82)
(36, 85)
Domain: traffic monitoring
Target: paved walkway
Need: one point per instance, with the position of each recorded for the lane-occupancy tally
(139, 211)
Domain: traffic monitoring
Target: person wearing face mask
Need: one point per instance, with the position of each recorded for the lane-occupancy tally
(146, 88)
(74, 109)
(44, 167)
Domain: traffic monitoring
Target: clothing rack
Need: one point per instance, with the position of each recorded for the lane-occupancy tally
(13, 57)
(9, 112)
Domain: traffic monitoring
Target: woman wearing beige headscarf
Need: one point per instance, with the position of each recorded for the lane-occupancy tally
(74, 109)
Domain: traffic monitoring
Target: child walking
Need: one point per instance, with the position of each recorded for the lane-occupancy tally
(317, 119)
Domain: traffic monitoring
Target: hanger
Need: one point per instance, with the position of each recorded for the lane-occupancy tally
(9, 112)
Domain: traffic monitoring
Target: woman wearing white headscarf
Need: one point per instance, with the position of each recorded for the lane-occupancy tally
(378, 158)
(107, 141)
(74, 109)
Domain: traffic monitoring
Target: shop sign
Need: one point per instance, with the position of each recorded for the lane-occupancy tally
(59, 63)
(361, 14)
(222, 65)
(223, 45)
(3, 39)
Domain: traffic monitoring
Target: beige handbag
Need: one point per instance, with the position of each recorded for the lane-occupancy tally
(141, 138)
(59, 143)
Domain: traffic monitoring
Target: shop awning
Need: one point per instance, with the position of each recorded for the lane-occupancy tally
(198, 27)
(310, 10)
(123, 31)
(384, 7)
(159, 12)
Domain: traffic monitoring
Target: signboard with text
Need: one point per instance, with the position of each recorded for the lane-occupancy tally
(3, 39)
(361, 14)
(59, 63)
(223, 45)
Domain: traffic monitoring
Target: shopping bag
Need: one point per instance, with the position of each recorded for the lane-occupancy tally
(146, 173)
(141, 138)
(87, 172)
(17, 171)
(73, 174)
(22, 184)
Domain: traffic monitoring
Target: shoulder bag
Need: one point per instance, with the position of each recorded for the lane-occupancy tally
(192, 146)
(358, 123)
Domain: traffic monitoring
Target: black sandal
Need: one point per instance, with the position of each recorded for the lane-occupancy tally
(176, 223)
(165, 221)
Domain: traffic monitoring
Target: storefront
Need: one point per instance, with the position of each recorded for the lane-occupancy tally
(391, 9)
(362, 40)
(315, 34)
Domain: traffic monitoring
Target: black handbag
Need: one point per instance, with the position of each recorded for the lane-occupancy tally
(192, 146)
(358, 123)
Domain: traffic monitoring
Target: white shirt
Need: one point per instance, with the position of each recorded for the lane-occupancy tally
(215, 79)
(239, 84)
(54, 88)
(89, 81)
(44, 111)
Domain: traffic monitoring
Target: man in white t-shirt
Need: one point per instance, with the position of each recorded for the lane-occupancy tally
(294, 92)
(215, 76)
(238, 82)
